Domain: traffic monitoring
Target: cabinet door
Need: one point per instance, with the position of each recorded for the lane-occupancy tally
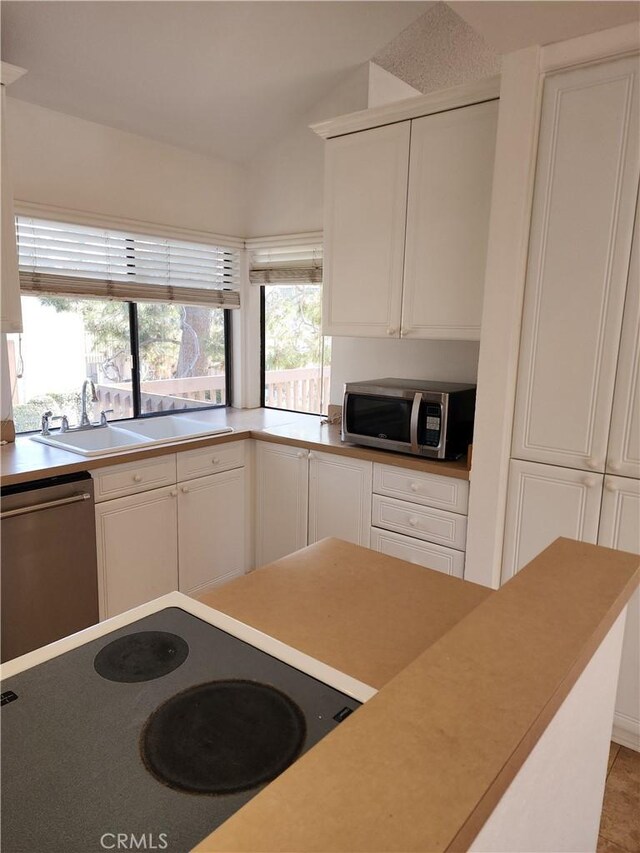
(450, 179)
(619, 528)
(212, 536)
(339, 498)
(282, 484)
(543, 503)
(623, 455)
(364, 229)
(581, 231)
(137, 540)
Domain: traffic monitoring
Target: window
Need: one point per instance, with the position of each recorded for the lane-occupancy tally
(296, 357)
(146, 319)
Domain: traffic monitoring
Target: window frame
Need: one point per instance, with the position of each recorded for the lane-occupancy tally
(135, 368)
(263, 361)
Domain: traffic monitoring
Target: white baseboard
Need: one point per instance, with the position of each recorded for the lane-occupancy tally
(626, 731)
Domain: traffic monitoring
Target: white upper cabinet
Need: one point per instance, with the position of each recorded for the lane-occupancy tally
(364, 227)
(623, 456)
(450, 178)
(581, 231)
(406, 226)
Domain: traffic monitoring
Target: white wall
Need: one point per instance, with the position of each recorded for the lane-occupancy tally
(355, 359)
(286, 182)
(60, 160)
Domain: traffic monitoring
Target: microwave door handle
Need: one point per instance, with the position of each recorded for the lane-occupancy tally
(415, 412)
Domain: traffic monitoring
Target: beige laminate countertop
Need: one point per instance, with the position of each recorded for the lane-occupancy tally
(25, 460)
(469, 680)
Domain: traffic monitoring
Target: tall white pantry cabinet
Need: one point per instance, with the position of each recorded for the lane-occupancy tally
(575, 457)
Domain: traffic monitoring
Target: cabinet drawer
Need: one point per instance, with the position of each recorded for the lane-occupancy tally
(428, 489)
(210, 460)
(134, 477)
(420, 553)
(433, 525)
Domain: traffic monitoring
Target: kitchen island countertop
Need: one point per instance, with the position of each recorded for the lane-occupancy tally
(422, 764)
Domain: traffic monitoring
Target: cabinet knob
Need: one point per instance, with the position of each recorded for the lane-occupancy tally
(594, 462)
(614, 465)
(610, 487)
(215, 460)
(391, 331)
(310, 455)
(301, 454)
(590, 482)
(185, 489)
(406, 330)
(137, 478)
(413, 521)
(174, 493)
(414, 487)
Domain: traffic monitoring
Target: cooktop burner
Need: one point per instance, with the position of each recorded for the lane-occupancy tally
(141, 656)
(157, 733)
(223, 737)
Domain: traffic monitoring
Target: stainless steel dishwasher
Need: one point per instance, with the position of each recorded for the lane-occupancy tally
(48, 577)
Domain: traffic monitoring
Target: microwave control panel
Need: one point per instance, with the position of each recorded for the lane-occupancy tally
(432, 425)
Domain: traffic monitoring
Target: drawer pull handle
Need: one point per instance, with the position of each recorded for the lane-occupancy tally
(413, 521)
(137, 478)
(415, 487)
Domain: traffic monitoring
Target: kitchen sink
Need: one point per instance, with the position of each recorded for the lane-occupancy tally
(135, 434)
(172, 428)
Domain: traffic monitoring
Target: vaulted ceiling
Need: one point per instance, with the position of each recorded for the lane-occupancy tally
(219, 78)
(227, 77)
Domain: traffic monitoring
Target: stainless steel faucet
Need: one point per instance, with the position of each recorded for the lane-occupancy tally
(84, 418)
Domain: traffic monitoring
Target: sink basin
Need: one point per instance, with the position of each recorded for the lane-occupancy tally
(172, 428)
(95, 442)
(131, 436)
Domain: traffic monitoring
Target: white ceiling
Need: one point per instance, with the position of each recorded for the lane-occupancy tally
(219, 78)
(508, 25)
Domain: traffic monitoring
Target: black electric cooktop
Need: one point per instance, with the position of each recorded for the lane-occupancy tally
(150, 737)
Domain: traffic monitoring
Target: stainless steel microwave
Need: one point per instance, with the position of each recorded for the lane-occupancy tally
(433, 419)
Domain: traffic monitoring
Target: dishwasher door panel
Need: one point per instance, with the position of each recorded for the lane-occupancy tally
(49, 585)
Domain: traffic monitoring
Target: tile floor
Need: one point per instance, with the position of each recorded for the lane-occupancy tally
(620, 823)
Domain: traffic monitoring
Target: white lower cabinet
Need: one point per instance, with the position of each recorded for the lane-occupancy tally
(420, 518)
(543, 503)
(339, 498)
(137, 540)
(187, 535)
(303, 496)
(212, 540)
(620, 529)
(426, 554)
(282, 500)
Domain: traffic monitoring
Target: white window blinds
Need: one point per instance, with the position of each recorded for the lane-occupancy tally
(297, 264)
(76, 260)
